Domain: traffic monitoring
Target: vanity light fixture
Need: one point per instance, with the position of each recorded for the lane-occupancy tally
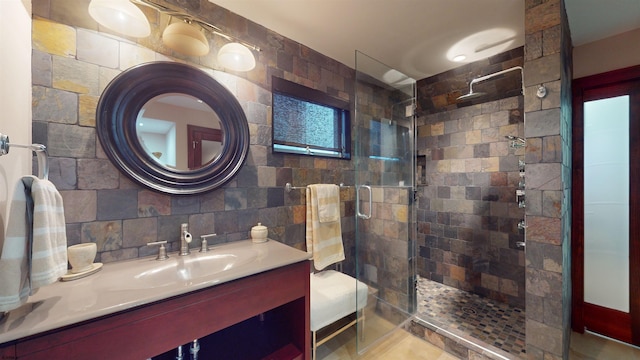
(121, 16)
(186, 37)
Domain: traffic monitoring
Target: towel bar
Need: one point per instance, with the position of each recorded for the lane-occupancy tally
(39, 149)
(288, 187)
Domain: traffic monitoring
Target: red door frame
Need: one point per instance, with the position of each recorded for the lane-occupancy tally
(195, 135)
(612, 323)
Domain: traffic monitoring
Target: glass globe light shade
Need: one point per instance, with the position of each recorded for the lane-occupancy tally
(121, 16)
(237, 57)
(186, 39)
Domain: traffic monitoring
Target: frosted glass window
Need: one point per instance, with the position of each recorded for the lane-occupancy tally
(303, 123)
(606, 202)
(309, 122)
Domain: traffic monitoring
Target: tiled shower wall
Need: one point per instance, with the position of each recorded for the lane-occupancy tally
(468, 217)
(548, 61)
(72, 64)
(468, 174)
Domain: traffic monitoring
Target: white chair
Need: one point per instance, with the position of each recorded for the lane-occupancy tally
(334, 296)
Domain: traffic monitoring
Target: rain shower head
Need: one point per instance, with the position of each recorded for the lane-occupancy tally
(473, 95)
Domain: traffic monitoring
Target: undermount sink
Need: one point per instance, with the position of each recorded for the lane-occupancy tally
(181, 270)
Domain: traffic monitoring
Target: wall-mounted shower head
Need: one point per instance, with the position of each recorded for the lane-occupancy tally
(472, 95)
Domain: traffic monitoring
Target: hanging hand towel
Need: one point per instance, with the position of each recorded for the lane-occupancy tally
(49, 249)
(14, 267)
(328, 197)
(34, 251)
(324, 239)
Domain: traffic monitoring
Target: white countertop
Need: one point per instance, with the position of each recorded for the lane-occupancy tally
(108, 291)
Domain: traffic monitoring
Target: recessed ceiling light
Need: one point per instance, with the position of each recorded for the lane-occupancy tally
(482, 44)
(459, 58)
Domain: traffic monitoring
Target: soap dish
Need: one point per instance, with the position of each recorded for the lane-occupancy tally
(69, 276)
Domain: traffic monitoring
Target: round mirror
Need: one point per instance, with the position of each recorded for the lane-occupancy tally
(172, 128)
(179, 131)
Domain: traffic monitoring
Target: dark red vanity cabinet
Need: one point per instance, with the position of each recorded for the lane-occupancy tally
(248, 311)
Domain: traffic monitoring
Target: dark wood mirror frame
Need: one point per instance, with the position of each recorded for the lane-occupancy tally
(121, 103)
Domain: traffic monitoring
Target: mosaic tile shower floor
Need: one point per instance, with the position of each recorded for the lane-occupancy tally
(472, 317)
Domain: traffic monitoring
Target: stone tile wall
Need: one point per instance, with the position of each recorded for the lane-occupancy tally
(548, 157)
(467, 176)
(467, 210)
(72, 64)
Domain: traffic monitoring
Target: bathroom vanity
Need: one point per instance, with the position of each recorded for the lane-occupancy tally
(256, 309)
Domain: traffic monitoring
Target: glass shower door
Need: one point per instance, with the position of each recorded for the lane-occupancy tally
(384, 155)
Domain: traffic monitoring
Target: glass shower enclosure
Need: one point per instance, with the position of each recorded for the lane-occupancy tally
(384, 155)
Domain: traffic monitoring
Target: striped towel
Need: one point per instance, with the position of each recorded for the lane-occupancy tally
(34, 250)
(324, 238)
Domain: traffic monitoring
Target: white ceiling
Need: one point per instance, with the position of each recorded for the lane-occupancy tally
(592, 20)
(414, 36)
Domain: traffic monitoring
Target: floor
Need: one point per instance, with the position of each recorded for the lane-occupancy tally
(400, 344)
(589, 346)
(472, 317)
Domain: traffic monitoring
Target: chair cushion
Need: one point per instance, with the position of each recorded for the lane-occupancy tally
(333, 296)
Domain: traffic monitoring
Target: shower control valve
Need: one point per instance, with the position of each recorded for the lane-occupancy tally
(521, 225)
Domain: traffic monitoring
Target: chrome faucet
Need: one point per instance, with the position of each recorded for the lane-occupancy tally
(185, 239)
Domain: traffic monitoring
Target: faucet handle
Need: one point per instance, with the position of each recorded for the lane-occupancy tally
(204, 246)
(162, 251)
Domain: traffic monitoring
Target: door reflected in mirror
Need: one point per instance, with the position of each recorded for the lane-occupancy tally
(179, 131)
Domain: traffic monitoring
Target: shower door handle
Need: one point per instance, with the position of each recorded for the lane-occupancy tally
(359, 213)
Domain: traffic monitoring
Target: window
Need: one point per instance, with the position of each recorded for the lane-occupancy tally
(309, 122)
